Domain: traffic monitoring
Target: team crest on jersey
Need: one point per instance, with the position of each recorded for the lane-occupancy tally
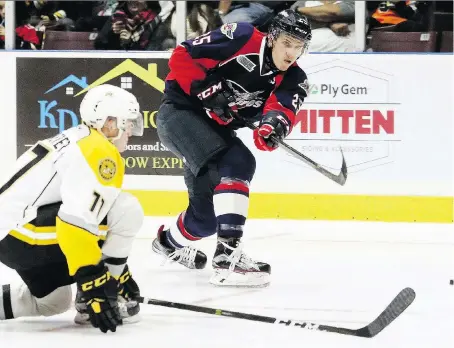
(228, 29)
(107, 169)
(247, 99)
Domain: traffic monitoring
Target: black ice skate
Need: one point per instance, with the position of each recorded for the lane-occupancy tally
(189, 256)
(233, 268)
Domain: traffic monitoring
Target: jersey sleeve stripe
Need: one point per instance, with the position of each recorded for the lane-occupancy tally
(77, 222)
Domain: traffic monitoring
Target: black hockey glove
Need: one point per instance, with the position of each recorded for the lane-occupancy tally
(99, 290)
(129, 291)
(127, 286)
(273, 126)
(217, 99)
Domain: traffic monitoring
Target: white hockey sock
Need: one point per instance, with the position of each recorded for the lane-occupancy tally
(231, 204)
(178, 236)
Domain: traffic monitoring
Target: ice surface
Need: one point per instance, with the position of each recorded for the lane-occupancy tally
(335, 273)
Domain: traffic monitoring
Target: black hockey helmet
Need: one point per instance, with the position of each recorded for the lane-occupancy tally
(292, 23)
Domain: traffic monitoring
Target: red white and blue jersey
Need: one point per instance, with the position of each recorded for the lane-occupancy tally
(237, 53)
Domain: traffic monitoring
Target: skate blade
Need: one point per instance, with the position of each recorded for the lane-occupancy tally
(226, 278)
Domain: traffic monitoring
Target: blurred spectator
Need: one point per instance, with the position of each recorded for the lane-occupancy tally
(89, 16)
(2, 24)
(81, 13)
(332, 22)
(254, 12)
(34, 17)
(42, 13)
(163, 39)
(138, 25)
(399, 15)
(201, 18)
(105, 8)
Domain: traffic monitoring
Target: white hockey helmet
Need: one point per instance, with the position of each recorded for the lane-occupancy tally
(105, 101)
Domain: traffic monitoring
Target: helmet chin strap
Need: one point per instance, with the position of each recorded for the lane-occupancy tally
(268, 55)
(120, 133)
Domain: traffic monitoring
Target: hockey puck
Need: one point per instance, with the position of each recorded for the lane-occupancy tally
(451, 282)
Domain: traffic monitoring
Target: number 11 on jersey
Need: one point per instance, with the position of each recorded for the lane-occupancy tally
(94, 208)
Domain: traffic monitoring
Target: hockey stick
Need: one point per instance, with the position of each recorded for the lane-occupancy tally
(392, 311)
(340, 178)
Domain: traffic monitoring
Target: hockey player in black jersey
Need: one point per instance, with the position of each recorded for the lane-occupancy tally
(216, 80)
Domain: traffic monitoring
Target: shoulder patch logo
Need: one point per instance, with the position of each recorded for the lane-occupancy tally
(304, 86)
(107, 169)
(246, 63)
(228, 29)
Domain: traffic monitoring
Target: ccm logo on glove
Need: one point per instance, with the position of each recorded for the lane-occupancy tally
(210, 91)
(96, 283)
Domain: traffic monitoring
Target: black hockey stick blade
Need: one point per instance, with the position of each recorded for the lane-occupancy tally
(394, 309)
(340, 178)
(400, 303)
(397, 306)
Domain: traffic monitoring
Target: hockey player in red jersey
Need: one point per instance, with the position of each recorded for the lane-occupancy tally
(215, 80)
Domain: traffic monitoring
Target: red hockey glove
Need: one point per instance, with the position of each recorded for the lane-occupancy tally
(273, 126)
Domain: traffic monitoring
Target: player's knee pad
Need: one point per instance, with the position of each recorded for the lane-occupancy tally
(124, 219)
(237, 162)
(57, 302)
